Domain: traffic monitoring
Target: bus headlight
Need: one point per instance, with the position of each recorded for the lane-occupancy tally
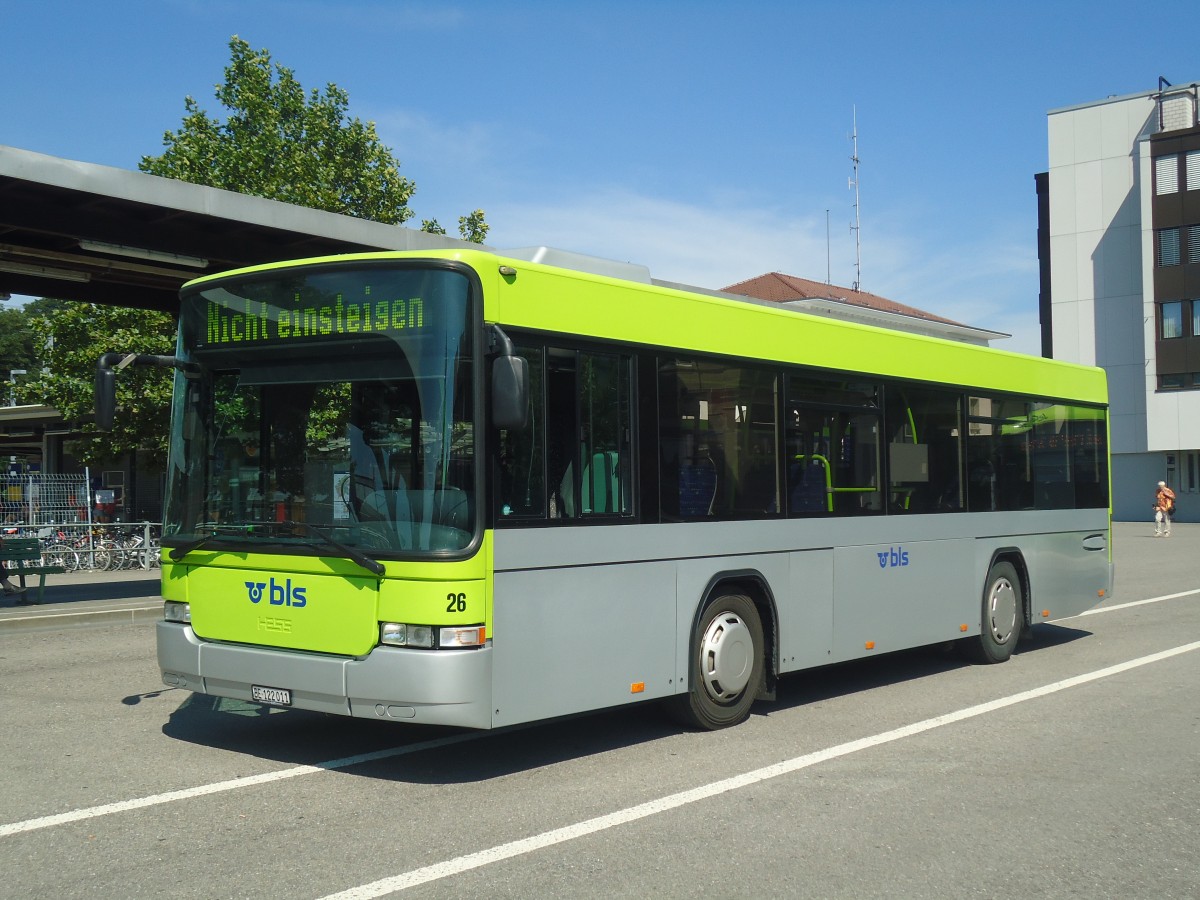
(174, 611)
(403, 634)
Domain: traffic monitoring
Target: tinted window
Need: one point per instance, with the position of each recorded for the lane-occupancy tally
(833, 429)
(718, 436)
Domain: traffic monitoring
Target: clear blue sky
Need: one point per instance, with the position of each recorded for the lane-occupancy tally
(704, 139)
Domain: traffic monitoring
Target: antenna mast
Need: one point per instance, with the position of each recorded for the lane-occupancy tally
(828, 275)
(856, 227)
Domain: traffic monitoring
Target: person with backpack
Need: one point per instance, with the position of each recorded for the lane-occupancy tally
(1164, 509)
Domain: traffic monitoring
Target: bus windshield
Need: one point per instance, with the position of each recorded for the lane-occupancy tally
(333, 403)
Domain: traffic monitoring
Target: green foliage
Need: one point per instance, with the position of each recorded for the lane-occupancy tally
(278, 143)
(18, 349)
(75, 335)
(473, 228)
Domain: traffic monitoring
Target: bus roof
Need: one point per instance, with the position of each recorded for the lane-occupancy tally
(619, 302)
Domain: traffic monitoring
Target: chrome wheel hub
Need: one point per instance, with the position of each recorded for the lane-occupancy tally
(1002, 611)
(726, 657)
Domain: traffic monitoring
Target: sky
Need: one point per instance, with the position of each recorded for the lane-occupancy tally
(709, 141)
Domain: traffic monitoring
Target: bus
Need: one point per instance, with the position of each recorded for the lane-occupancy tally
(471, 488)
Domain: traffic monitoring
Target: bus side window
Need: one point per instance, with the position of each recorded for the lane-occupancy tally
(833, 462)
(925, 458)
(719, 440)
(574, 460)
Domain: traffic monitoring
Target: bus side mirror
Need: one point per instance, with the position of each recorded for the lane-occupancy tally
(106, 397)
(510, 392)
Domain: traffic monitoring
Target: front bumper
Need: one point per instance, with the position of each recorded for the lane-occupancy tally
(428, 687)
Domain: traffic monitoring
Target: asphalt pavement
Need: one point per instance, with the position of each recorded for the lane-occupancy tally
(132, 595)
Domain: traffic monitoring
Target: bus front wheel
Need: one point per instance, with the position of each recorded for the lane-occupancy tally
(726, 665)
(1003, 615)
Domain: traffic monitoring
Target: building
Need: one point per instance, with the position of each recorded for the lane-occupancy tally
(1119, 243)
(848, 304)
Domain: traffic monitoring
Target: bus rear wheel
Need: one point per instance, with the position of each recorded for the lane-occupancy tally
(726, 665)
(1003, 615)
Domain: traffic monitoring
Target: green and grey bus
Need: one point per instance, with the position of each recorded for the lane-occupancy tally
(469, 488)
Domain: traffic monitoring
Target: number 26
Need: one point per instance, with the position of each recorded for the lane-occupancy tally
(457, 602)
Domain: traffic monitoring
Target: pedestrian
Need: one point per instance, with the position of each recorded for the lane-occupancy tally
(1164, 508)
(8, 586)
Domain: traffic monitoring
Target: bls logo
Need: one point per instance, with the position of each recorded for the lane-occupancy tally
(279, 594)
(894, 557)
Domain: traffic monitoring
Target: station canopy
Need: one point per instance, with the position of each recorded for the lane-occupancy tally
(79, 231)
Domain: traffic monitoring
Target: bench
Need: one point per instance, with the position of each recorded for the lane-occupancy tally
(23, 557)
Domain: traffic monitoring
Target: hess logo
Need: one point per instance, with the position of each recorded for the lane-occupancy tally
(893, 557)
(277, 594)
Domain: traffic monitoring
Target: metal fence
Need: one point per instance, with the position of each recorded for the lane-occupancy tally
(39, 499)
(75, 523)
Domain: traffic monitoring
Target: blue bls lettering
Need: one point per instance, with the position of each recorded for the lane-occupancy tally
(278, 594)
(894, 557)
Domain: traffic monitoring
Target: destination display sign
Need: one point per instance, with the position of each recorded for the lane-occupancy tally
(247, 321)
(315, 304)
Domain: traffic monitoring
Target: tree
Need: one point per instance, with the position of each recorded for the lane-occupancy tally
(74, 335)
(280, 144)
(276, 142)
(18, 348)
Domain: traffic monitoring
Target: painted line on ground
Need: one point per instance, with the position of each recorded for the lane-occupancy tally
(1133, 603)
(502, 852)
(202, 790)
(93, 812)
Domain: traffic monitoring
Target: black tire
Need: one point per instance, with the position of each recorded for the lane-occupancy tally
(60, 555)
(726, 667)
(1002, 615)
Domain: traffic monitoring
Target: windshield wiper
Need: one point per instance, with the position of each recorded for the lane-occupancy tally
(182, 550)
(359, 558)
(375, 567)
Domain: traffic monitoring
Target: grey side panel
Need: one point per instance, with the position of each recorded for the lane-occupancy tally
(903, 594)
(581, 613)
(571, 639)
(806, 611)
(1068, 575)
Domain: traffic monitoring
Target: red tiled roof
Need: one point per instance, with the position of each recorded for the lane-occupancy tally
(775, 287)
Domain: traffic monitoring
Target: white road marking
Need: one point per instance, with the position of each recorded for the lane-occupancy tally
(536, 842)
(93, 812)
(1104, 609)
(233, 784)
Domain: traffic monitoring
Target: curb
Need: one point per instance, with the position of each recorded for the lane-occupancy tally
(43, 619)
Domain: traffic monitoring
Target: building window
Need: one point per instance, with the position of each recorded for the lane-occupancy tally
(1193, 244)
(1193, 170)
(1166, 174)
(1172, 382)
(1172, 320)
(1168, 247)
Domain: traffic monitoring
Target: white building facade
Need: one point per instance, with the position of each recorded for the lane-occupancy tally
(1119, 241)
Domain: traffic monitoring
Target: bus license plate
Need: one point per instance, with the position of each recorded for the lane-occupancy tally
(274, 696)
